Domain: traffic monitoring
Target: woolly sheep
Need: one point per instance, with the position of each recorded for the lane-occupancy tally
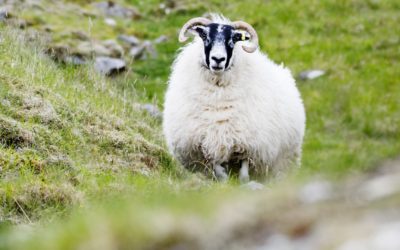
(228, 107)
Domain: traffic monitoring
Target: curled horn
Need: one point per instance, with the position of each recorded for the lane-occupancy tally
(192, 22)
(253, 35)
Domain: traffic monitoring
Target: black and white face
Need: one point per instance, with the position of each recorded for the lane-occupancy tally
(219, 41)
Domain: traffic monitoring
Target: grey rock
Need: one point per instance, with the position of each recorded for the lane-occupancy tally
(115, 49)
(58, 52)
(109, 66)
(152, 110)
(137, 52)
(110, 8)
(131, 40)
(143, 51)
(253, 185)
(80, 35)
(4, 13)
(150, 49)
(161, 39)
(311, 74)
(74, 60)
(315, 191)
(110, 22)
(89, 49)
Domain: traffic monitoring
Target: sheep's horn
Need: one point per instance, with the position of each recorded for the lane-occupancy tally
(192, 22)
(253, 35)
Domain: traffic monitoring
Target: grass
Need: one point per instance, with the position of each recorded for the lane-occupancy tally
(82, 166)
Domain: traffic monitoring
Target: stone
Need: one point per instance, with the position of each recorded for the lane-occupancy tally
(80, 35)
(137, 52)
(5, 13)
(161, 39)
(253, 185)
(131, 40)
(111, 22)
(74, 60)
(143, 51)
(89, 49)
(115, 49)
(315, 191)
(110, 8)
(58, 52)
(311, 74)
(109, 66)
(152, 110)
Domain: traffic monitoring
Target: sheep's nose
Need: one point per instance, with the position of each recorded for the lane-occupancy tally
(218, 60)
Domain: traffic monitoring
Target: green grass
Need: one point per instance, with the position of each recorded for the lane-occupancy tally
(80, 162)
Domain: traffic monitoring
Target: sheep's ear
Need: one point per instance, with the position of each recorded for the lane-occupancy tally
(199, 30)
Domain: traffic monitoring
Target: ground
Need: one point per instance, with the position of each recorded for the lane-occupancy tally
(82, 165)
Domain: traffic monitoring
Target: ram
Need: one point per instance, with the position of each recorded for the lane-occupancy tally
(228, 108)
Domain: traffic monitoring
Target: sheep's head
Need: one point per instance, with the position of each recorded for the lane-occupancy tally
(219, 41)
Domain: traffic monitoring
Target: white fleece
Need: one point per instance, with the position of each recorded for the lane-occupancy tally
(253, 111)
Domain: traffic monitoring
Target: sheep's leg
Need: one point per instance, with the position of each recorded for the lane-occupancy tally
(220, 173)
(244, 172)
(245, 179)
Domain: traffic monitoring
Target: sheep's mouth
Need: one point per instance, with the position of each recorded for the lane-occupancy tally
(217, 68)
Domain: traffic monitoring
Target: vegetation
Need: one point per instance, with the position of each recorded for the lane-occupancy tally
(81, 166)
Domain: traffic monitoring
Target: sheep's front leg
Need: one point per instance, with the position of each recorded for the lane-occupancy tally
(244, 172)
(220, 173)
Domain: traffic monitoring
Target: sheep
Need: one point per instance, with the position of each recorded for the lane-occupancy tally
(228, 108)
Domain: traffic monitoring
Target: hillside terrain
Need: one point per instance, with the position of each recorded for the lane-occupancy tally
(83, 162)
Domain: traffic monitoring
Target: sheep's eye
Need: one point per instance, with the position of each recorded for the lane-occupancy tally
(237, 37)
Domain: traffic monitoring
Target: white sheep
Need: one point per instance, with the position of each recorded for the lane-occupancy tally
(229, 108)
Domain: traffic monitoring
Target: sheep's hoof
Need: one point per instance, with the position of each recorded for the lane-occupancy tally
(253, 185)
(220, 173)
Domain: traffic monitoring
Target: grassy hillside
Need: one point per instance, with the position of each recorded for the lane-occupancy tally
(82, 166)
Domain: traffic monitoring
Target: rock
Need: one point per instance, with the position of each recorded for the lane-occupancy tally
(115, 49)
(311, 74)
(253, 185)
(80, 35)
(111, 22)
(150, 49)
(131, 40)
(110, 8)
(152, 110)
(89, 49)
(315, 191)
(380, 187)
(137, 52)
(161, 39)
(385, 237)
(58, 52)
(74, 60)
(87, 13)
(143, 51)
(5, 13)
(109, 66)
(108, 48)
